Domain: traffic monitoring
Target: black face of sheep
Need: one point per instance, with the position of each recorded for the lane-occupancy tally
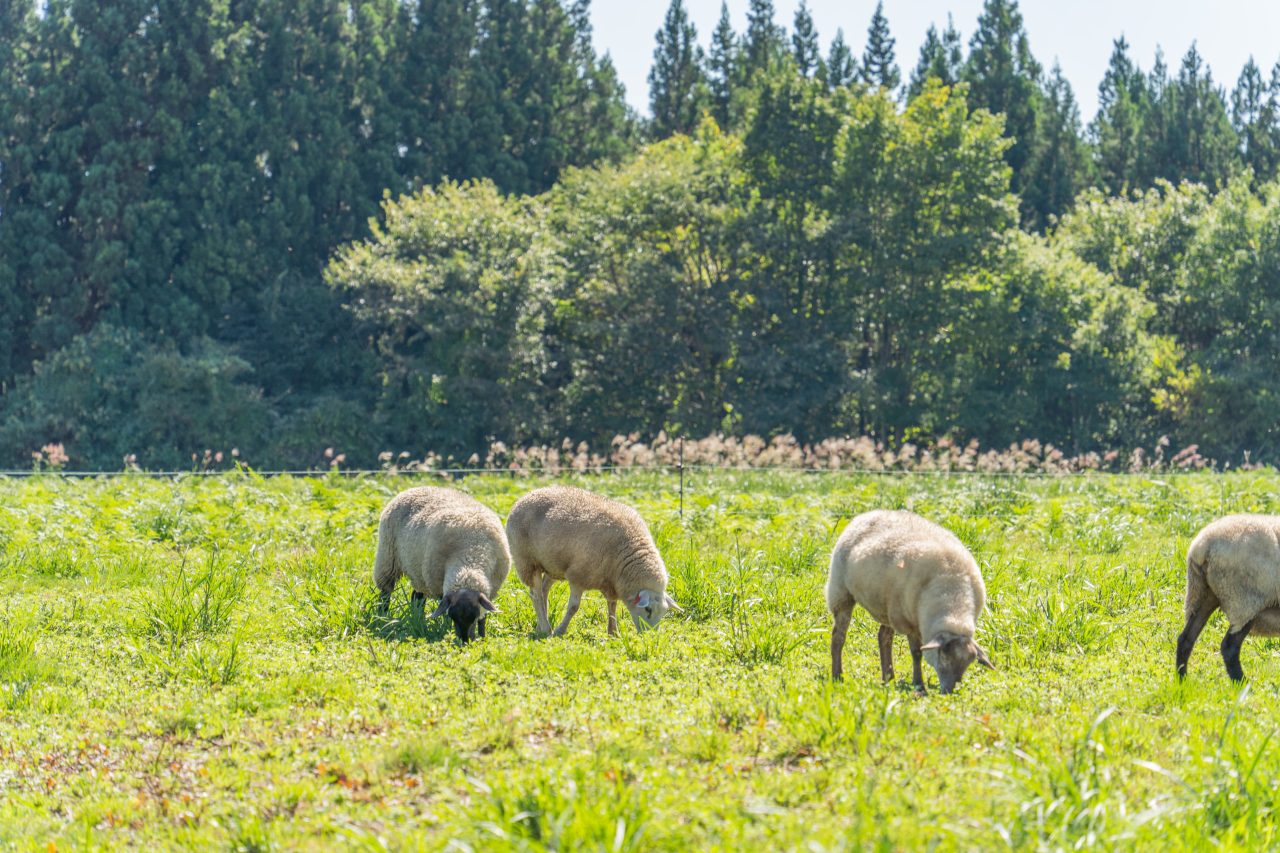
(950, 655)
(468, 609)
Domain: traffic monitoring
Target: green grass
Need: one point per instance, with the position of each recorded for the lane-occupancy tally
(201, 662)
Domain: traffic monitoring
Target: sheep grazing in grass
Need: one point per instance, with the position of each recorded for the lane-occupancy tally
(1233, 564)
(914, 578)
(451, 547)
(563, 533)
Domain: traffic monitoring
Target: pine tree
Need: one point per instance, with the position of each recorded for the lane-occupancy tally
(804, 43)
(841, 68)
(18, 149)
(941, 58)
(1254, 117)
(1004, 77)
(677, 83)
(1058, 168)
(879, 67)
(723, 67)
(1199, 143)
(765, 43)
(1117, 129)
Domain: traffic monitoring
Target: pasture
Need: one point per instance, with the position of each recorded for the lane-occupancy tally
(199, 662)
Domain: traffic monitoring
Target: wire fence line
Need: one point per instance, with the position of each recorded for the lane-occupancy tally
(566, 470)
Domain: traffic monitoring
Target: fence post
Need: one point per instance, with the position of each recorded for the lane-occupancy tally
(680, 468)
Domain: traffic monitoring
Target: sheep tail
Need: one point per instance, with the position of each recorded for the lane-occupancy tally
(1197, 582)
(386, 569)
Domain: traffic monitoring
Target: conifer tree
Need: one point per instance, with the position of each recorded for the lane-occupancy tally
(722, 67)
(764, 45)
(941, 58)
(677, 83)
(1117, 129)
(841, 68)
(1255, 117)
(1058, 170)
(1004, 77)
(1199, 143)
(804, 43)
(879, 67)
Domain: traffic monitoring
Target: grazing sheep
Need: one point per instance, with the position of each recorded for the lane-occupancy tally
(563, 533)
(915, 578)
(451, 547)
(1233, 563)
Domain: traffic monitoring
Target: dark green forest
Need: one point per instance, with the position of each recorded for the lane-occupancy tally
(430, 225)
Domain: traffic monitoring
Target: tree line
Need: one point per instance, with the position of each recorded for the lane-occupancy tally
(427, 225)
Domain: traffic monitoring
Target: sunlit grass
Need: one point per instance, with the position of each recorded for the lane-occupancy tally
(201, 662)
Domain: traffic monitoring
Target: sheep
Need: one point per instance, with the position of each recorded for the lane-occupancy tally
(915, 578)
(565, 533)
(451, 547)
(1233, 563)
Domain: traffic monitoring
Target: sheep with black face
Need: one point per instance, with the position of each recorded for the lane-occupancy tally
(564, 533)
(914, 578)
(451, 547)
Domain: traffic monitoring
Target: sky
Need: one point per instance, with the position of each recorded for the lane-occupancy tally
(1077, 33)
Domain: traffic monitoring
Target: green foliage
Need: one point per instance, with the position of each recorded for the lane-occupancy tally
(454, 284)
(817, 259)
(112, 393)
(184, 170)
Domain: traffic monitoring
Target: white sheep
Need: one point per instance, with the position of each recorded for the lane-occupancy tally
(451, 547)
(564, 533)
(915, 578)
(1233, 563)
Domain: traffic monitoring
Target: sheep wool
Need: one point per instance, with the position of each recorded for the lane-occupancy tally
(1232, 564)
(915, 578)
(560, 533)
(451, 547)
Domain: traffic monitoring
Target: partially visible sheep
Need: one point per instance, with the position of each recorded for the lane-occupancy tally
(451, 547)
(915, 578)
(564, 533)
(1233, 563)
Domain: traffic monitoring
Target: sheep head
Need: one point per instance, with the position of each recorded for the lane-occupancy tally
(647, 607)
(465, 607)
(950, 655)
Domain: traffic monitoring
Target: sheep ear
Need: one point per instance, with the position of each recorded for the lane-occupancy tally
(982, 657)
(442, 609)
(487, 604)
(671, 602)
(641, 599)
(932, 644)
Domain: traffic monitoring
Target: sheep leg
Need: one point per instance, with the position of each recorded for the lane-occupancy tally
(481, 622)
(838, 633)
(613, 617)
(540, 592)
(575, 599)
(886, 652)
(917, 677)
(1196, 621)
(1231, 644)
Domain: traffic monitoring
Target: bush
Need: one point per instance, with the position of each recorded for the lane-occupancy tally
(112, 392)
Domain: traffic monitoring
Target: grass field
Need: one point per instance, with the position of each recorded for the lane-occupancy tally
(198, 662)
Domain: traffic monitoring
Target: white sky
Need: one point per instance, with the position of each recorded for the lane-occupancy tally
(1078, 33)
